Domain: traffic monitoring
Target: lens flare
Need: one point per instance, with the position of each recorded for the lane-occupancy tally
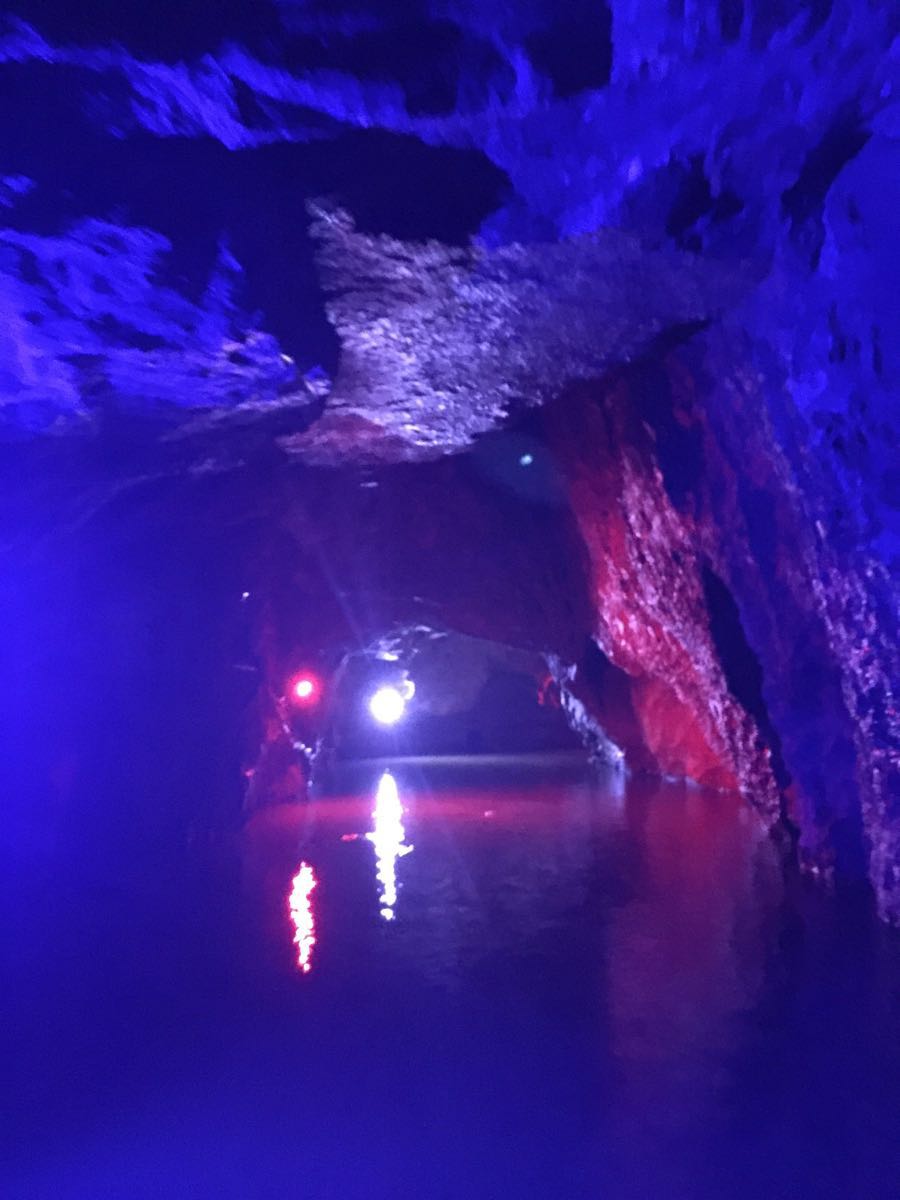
(389, 839)
(303, 917)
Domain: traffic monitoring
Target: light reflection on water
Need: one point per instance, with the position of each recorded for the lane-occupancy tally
(389, 839)
(303, 916)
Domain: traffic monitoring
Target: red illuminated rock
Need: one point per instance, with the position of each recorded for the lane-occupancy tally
(651, 617)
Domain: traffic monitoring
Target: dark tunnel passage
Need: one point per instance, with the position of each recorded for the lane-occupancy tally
(184, 613)
(158, 643)
(164, 622)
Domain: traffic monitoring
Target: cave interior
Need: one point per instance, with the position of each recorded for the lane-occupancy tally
(538, 364)
(490, 326)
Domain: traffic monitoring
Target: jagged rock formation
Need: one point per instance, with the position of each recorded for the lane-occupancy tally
(439, 345)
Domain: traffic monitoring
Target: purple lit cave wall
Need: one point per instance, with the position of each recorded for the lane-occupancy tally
(572, 327)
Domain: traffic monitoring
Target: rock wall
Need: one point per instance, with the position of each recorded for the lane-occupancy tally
(651, 618)
(757, 651)
(818, 603)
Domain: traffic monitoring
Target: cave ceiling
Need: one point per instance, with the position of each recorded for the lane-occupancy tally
(368, 234)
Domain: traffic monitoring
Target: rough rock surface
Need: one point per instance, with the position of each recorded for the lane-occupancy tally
(651, 616)
(441, 344)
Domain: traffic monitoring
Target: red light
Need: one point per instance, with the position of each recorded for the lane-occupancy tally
(305, 689)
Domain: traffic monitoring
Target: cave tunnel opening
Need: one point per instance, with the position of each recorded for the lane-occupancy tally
(488, 557)
(157, 642)
(476, 561)
(423, 692)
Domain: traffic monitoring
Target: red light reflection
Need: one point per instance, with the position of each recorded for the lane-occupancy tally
(302, 915)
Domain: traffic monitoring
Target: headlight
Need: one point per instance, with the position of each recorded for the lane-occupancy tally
(387, 705)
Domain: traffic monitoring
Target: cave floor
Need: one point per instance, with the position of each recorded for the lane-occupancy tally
(526, 982)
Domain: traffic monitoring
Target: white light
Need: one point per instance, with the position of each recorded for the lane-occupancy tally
(303, 916)
(387, 706)
(526, 460)
(389, 839)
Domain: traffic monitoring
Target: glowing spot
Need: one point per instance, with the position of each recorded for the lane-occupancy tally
(389, 840)
(302, 915)
(245, 595)
(305, 689)
(526, 460)
(387, 705)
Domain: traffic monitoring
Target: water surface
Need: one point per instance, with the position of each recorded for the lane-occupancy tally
(470, 980)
